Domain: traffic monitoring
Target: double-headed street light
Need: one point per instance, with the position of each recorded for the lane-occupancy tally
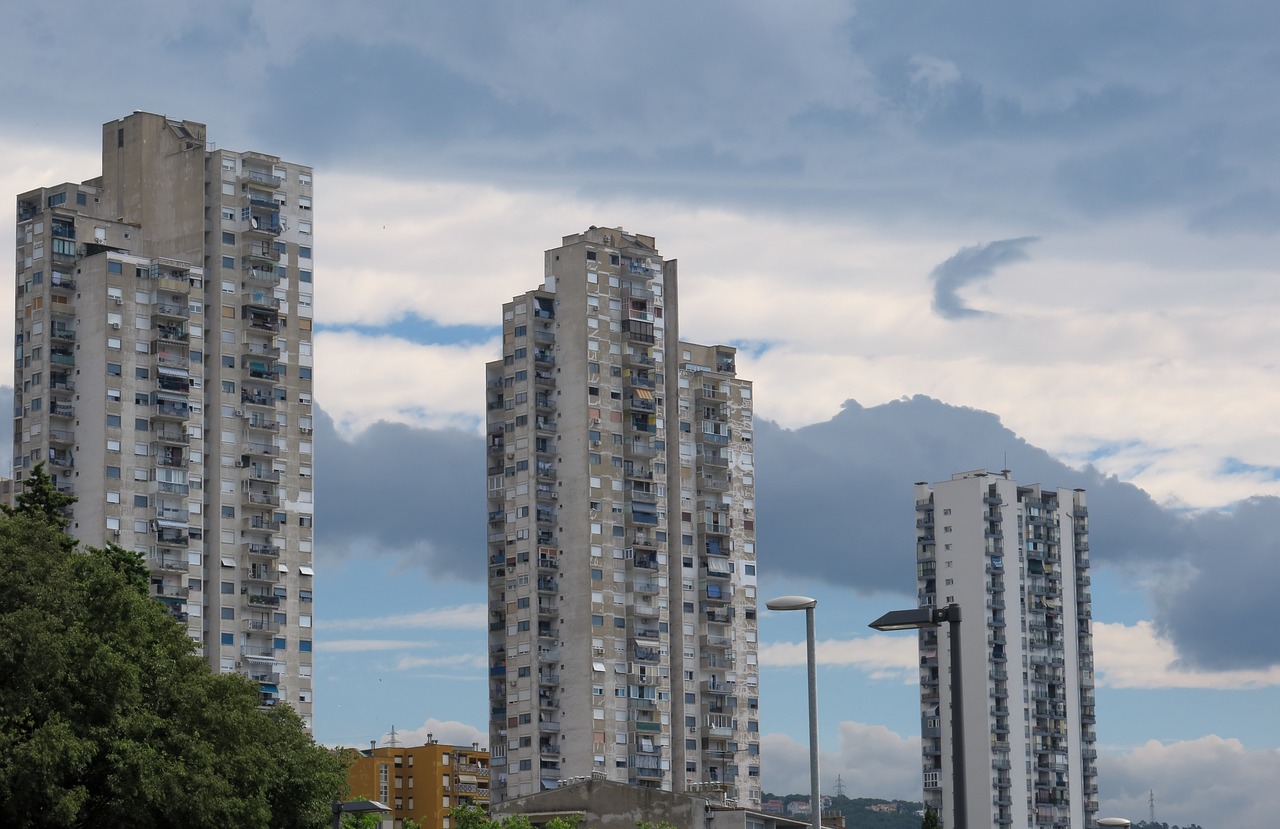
(932, 617)
(807, 605)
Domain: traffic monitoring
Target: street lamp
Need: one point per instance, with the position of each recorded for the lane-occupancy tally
(1120, 822)
(807, 605)
(932, 617)
(355, 807)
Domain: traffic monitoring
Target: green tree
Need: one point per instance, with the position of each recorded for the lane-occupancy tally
(930, 819)
(108, 717)
(41, 499)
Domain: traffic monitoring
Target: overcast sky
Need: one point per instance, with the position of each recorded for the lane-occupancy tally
(1064, 216)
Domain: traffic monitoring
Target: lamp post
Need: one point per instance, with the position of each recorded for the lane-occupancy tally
(932, 617)
(355, 807)
(807, 605)
(1119, 822)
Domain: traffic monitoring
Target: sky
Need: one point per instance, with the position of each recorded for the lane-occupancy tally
(943, 237)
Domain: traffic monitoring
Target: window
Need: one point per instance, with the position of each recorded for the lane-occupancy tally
(228, 238)
(229, 262)
(304, 276)
(304, 645)
(113, 369)
(304, 252)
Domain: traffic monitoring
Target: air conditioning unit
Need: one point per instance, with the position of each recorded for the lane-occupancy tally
(118, 300)
(115, 325)
(239, 664)
(239, 412)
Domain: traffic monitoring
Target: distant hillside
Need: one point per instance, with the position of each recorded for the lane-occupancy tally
(858, 813)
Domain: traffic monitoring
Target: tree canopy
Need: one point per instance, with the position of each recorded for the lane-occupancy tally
(108, 717)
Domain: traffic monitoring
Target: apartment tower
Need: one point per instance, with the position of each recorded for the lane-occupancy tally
(163, 376)
(621, 536)
(1016, 561)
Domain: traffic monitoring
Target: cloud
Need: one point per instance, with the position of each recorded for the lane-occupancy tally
(1211, 781)
(472, 663)
(870, 760)
(879, 655)
(970, 265)
(399, 491)
(445, 732)
(363, 645)
(1136, 656)
(460, 617)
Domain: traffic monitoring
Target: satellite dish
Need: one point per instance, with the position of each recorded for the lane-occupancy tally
(253, 222)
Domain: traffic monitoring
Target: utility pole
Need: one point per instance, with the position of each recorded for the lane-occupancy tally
(1151, 801)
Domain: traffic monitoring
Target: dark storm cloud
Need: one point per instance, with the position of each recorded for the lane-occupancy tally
(880, 109)
(971, 265)
(835, 499)
(396, 490)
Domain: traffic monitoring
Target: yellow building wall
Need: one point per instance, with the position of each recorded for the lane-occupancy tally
(422, 782)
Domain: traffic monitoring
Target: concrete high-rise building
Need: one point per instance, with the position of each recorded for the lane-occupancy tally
(1016, 561)
(621, 540)
(163, 376)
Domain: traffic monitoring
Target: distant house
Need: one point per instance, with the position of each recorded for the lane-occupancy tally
(798, 807)
(888, 808)
(773, 807)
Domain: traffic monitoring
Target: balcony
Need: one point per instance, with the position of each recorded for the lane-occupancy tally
(258, 472)
(263, 550)
(263, 182)
(168, 334)
(262, 499)
(261, 523)
(172, 592)
(259, 626)
(252, 398)
(259, 599)
(259, 449)
(63, 460)
(264, 574)
(260, 299)
(169, 564)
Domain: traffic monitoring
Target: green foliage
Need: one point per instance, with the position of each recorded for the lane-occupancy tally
(930, 819)
(662, 824)
(41, 499)
(469, 816)
(108, 717)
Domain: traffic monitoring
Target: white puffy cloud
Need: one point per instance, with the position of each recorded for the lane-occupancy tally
(366, 645)
(1212, 781)
(446, 732)
(1136, 656)
(870, 760)
(880, 655)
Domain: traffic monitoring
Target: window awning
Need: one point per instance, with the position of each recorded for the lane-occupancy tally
(228, 561)
(171, 397)
(283, 568)
(268, 688)
(643, 394)
(253, 657)
(306, 570)
(466, 778)
(166, 371)
(169, 524)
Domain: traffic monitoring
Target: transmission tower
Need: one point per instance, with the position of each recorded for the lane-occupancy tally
(1151, 802)
(839, 786)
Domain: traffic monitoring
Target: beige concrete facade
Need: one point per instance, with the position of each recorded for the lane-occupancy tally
(1016, 560)
(159, 382)
(620, 535)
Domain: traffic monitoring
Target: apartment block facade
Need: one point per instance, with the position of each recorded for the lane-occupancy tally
(163, 377)
(421, 782)
(1016, 560)
(621, 535)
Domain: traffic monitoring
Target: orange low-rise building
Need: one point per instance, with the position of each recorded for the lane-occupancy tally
(422, 782)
